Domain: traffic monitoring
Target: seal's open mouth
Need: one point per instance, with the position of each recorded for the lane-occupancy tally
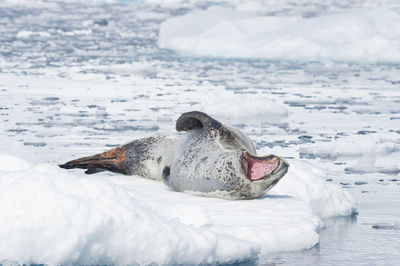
(257, 168)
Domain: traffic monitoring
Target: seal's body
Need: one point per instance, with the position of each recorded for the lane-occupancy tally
(210, 159)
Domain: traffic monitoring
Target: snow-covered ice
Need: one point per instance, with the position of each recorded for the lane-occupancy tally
(364, 153)
(54, 217)
(51, 217)
(359, 35)
(306, 182)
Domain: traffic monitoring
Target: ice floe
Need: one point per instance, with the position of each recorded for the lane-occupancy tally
(370, 35)
(52, 216)
(363, 153)
(230, 106)
(351, 146)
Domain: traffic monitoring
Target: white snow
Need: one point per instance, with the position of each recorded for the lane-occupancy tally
(52, 216)
(305, 183)
(11, 163)
(370, 35)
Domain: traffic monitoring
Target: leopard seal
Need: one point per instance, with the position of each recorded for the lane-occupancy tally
(209, 159)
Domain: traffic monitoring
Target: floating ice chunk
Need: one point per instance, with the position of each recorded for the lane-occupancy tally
(363, 153)
(27, 34)
(248, 107)
(51, 216)
(243, 107)
(362, 35)
(351, 146)
(75, 32)
(367, 164)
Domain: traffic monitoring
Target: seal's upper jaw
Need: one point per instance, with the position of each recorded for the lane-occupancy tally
(257, 168)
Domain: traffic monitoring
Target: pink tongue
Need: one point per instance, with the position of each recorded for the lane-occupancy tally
(257, 169)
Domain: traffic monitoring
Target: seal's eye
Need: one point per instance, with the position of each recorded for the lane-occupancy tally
(258, 168)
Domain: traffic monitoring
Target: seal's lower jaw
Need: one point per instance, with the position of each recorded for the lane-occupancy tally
(258, 168)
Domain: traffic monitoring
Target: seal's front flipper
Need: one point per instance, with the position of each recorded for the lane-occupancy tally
(196, 120)
(112, 160)
(166, 174)
(166, 177)
(94, 171)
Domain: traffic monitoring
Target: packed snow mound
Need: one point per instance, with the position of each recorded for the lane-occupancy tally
(362, 35)
(305, 183)
(52, 216)
(12, 163)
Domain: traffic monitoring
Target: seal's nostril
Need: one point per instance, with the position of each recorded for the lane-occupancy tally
(285, 163)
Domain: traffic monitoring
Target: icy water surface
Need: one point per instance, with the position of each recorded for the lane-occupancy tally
(78, 78)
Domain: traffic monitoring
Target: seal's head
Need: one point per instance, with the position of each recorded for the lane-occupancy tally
(214, 159)
(242, 174)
